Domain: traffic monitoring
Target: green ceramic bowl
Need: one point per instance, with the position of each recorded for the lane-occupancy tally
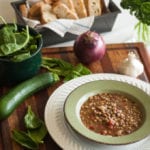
(78, 96)
(12, 72)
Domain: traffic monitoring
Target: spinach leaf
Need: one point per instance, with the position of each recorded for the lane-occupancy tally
(24, 139)
(13, 41)
(20, 57)
(63, 68)
(35, 127)
(35, 131)
(31, 120)
(6, 35)
(39, 133)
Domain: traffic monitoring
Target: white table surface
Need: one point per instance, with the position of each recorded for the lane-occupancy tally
(123, 29)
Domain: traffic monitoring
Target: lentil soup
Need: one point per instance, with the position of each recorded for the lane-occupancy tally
(111, 114)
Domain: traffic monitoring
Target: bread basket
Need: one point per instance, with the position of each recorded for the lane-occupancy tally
(103, 23)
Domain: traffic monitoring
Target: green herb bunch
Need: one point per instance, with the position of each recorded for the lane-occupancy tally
(141, 10)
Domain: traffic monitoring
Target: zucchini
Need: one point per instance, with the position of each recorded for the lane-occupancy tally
(17, 95)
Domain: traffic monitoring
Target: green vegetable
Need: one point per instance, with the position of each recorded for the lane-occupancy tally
(36, 131)
(64, 69)
(10, 101)
(38, 134)
(24, 139)
(141, 10)
(12, 41)
(31, 120)
(143, 31)
(16, 44)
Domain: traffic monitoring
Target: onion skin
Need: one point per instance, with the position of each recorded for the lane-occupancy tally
(89, 47)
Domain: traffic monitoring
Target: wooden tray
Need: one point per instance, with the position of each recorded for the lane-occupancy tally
(114, 55)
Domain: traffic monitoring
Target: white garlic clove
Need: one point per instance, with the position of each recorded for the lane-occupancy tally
(131, 66)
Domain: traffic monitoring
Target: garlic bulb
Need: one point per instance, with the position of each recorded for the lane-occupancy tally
(131, 66)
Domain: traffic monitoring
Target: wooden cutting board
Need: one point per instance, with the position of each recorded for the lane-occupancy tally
(115, 53)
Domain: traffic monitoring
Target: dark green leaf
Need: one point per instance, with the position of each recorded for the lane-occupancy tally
(31, 120)
(82, 69)
(55, 62)
(38, 134)
(24, 139)
(64, 69)
(20, 57)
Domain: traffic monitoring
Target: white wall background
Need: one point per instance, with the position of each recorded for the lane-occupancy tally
(6, 10)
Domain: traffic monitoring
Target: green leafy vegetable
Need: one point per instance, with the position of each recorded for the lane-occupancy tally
(12, 41)
(143, 31)
(31, 120)
(24, 139)
(38, 134)
(64, 69)
(141, 10)
(16, 44)
(36, 127)
(36, 131)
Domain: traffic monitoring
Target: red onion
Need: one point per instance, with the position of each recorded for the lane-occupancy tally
(89, 47)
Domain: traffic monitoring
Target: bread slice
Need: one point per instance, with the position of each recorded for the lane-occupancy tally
(69, 3)
(24, 10)
(46, 14)
(62, 11)
(80, 8)
(48, 1)
(93, 7)
(35, 9)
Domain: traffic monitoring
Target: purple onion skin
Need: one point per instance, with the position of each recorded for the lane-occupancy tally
(89, 47)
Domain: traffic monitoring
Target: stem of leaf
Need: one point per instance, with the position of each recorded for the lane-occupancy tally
(143, 31)
(3, 20)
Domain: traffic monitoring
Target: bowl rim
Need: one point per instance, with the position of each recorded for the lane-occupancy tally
(71, 116)
(33, 32)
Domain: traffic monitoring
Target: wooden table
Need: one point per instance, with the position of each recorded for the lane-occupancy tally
(114, 55)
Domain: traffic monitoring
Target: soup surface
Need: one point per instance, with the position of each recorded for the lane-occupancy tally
(111, 114)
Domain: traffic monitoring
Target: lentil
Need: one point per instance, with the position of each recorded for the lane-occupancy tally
(111, 114)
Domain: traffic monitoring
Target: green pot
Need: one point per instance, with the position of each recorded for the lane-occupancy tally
(13, 72)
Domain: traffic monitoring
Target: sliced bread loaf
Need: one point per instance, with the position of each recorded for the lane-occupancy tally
(80, 8)
(93, 7)
(62, 11)
(46, 14)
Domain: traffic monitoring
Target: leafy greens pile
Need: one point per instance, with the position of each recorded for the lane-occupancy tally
(16, 44)
(36, 131)
(141, 10)
(63, 68)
